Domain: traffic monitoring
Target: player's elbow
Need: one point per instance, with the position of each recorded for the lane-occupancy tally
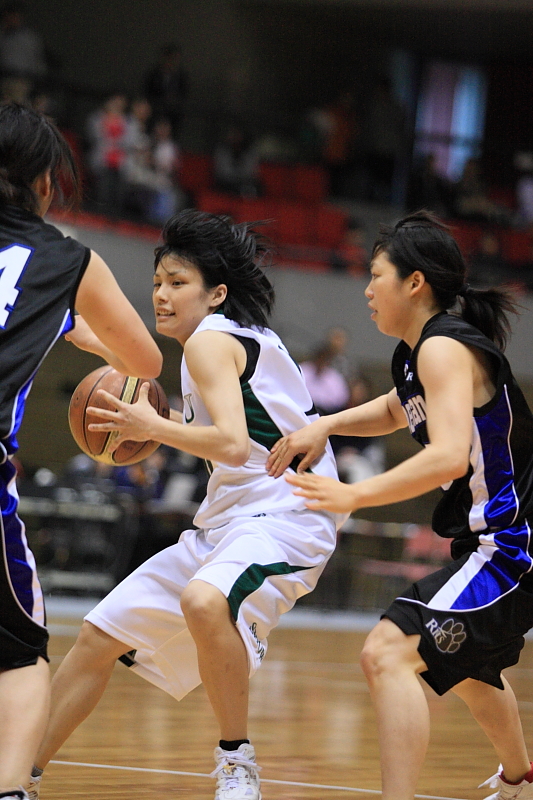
(147, 367)
(237, 453)
(454, 465)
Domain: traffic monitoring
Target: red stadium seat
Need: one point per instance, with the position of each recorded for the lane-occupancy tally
(195, 172)
(330, 225)
(275, 179)
(294, 223)
(310, 183)
(217, 202)
(516, 246)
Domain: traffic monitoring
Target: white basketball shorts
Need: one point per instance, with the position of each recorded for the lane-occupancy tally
(262, 564)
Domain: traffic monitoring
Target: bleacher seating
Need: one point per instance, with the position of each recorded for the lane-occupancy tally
(300, 222)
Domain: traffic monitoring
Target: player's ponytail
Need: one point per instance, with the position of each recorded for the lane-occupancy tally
(420, 241)
(30, 146)
(488, 310)
(224, 252)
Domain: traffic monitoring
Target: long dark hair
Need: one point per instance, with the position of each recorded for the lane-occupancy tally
(420, 241)
(30, 145)
(223, 252)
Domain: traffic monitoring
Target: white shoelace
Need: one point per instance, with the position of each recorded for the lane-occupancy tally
(229, 764)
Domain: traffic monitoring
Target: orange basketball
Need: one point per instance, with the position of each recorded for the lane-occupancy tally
(96, 443)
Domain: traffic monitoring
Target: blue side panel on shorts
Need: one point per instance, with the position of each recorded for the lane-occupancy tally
(494, 428)
(502, 573)
(20, 572)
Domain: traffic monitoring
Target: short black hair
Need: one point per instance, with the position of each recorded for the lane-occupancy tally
(224, 252)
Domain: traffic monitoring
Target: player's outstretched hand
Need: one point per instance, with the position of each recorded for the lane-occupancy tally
(309, 441)
(132, 421)
(324, 493)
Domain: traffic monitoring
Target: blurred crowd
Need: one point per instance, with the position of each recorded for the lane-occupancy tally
(130, 154)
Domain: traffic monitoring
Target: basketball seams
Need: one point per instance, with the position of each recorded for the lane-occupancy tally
(126, 388)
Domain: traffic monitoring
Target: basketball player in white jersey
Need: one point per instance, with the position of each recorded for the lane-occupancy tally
(201, 610)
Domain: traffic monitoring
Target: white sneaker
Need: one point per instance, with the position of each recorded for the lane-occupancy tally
(20, 794)
(236, 774)
(33, 787)
(508, 791)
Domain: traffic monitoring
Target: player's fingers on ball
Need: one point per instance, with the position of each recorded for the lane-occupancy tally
(104, 413)
(111, 399)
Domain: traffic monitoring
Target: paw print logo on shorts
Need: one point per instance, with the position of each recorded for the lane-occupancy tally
(452, 635)
(449, 636)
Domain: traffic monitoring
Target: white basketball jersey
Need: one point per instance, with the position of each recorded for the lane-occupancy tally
(276, 402)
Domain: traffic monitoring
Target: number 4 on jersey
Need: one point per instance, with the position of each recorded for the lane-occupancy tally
(12, 262)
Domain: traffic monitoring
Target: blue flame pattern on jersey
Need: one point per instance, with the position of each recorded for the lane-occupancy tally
(494, 431)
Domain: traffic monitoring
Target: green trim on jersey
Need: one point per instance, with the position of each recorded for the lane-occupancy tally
(261, 427)
(254, 577)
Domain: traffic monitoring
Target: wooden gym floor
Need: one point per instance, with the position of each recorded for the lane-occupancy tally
(311, 721)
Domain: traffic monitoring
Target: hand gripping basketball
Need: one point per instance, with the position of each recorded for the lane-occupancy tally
(102, 417)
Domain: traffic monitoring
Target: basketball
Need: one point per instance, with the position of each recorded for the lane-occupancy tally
(96, 443)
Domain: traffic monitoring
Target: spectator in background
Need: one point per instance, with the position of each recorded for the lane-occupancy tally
(337, 342)
(524, 189)
(386, 140)
(167, 86)
(137, 124)
(351, 255)
(138, 172)
(151, 169)
(166, 163)
(107, 129)
(341, 132)
(472, 199)
(22, 54)
(326, 384)
(428, 188)
(488, 266)
(358, 457)
(236, 164)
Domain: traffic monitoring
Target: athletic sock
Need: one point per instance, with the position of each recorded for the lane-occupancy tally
(527, 777)
(36, 772)
(230, 746)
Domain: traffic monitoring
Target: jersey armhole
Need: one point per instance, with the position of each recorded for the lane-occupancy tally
(253, 349)
(81, 273)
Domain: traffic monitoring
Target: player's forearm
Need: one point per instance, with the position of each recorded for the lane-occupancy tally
(423, 472)
(370, 419)
(204, 442)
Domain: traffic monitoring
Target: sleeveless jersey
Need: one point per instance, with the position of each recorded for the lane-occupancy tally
(496, 494)
(276, 402)
(40, 271)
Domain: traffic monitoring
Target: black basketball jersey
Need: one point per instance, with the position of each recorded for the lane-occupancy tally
(497, 491)
(40, 270)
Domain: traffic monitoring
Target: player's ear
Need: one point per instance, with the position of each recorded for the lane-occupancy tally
(416, 279)
(218, 295)
(44, 190)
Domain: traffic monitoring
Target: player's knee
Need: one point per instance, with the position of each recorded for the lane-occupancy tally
(203, 604)
(384, 651)
(94, 645)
